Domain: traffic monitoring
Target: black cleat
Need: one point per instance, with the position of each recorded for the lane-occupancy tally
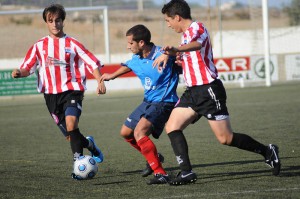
(159, 179)
(148, 171)
(184, 179)
(272, 159)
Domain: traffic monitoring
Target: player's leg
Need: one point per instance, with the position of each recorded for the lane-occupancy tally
(179, 119)
(72, 103)
(127, 134)
(226, 136)
(149, 151)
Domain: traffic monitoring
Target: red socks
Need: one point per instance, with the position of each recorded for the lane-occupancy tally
(133, 143)
(148, 149)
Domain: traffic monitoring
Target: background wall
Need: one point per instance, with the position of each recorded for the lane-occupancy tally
(235, 28)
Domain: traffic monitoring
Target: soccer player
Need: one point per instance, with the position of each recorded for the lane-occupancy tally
(60, 62)
(205, 94)
(159, 98)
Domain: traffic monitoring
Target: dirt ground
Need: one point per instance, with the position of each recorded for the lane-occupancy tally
(17, 34)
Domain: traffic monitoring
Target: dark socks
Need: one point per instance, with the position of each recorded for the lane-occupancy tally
(78, 142)
(180, 149)
(245, 142)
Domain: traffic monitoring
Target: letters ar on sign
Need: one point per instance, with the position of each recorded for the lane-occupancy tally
(233, 64)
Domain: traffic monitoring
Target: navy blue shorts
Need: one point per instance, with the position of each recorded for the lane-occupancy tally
(157, 113)
(207, 100)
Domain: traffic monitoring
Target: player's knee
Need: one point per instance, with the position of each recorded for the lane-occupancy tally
(169, 128)
(224, 140)
(125, 134)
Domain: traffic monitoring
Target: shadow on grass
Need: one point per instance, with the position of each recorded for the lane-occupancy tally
(286, 171)
(116, 182)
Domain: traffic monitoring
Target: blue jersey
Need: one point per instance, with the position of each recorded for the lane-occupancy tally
(159, 86)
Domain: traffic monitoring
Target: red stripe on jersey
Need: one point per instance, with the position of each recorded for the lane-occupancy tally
(204, 63)
(68, 64)
(39, 56)
(57, 67)
(60, 63)
(47, 65)
(29, 57)
(89, 54)
(198, 63)
(77, 71)
(190, 60)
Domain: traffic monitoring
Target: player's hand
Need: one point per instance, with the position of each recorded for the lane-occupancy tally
(170, 50)
(160, 62)
(101, 89)
(106, 77)
(178, 59)
(16, 73)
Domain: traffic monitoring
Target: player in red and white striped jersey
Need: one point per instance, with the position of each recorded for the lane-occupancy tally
(205, 94)
(60, 62)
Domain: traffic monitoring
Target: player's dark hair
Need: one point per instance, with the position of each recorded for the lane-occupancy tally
(54, 9)
(140, 32)
(177, 7)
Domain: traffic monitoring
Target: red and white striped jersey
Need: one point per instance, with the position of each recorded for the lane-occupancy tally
(60, 64)
(198, 66)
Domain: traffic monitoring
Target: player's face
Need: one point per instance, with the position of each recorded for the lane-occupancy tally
(55, 25)
(173, 22)
(132, 45)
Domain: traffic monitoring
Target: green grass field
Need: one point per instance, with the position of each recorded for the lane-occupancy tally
(36, 161)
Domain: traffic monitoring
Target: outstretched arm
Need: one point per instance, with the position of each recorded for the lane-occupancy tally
(161, 61)
(122, 70)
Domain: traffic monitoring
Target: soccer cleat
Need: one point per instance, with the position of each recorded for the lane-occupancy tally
(148, 170)
(272, 159)
(95, 151)
(159, 179)
(182, 179)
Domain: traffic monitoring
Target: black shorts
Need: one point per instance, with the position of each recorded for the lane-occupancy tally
(207, 100)
(58, 103)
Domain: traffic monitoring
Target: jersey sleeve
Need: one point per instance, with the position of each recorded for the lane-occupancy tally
(30, 61)
(198, 32)
(129, 63)
(90, 60)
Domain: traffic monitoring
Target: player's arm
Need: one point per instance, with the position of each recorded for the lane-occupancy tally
(18, 73)
(101, 89)
(173, 51)
(193, 46)
(121, 71)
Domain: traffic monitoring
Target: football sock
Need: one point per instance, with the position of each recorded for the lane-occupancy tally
(149, 151)
(133, 143)
(245, 142)
(180, 149)
(78, 142)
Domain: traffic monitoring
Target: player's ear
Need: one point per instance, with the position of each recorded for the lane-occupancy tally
(177, 18)
(141, 42)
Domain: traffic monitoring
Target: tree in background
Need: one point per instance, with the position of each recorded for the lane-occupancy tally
(293, 12)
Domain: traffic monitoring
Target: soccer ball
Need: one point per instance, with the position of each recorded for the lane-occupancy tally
(85, 167)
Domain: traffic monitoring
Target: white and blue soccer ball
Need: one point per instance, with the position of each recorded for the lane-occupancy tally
(85, 167)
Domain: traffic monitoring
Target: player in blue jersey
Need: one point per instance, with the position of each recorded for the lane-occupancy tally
(159, 98)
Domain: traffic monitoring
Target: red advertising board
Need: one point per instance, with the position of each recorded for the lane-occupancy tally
(233, 64)
(224, 65)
